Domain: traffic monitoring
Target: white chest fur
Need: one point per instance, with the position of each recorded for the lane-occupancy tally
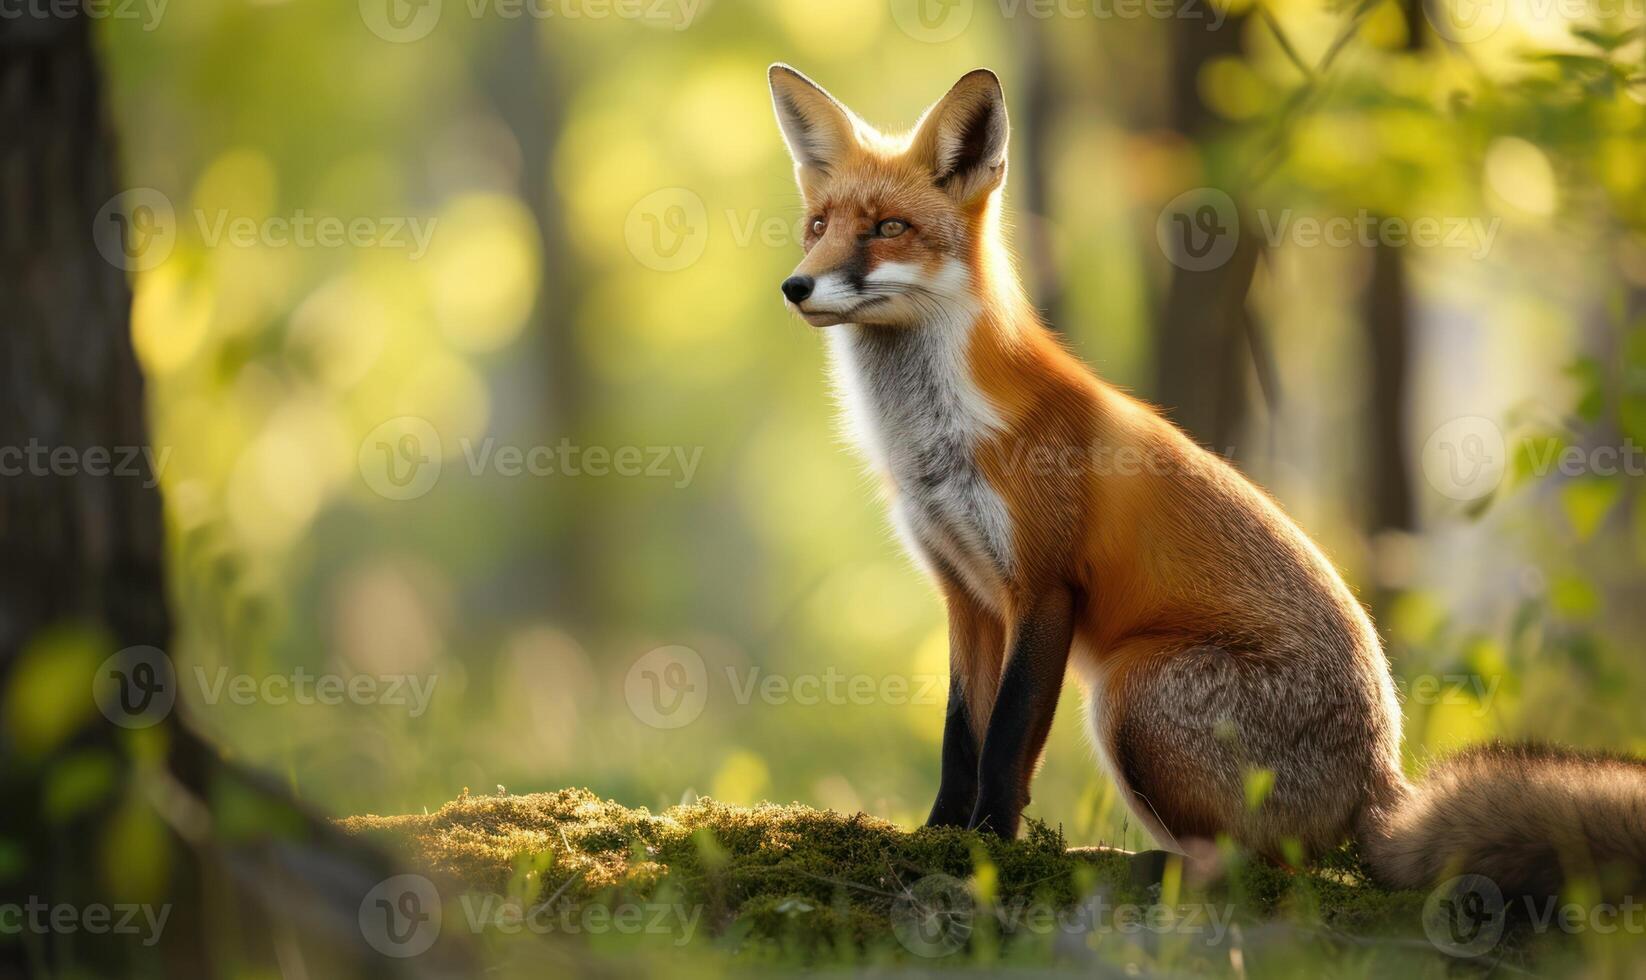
(915, 411)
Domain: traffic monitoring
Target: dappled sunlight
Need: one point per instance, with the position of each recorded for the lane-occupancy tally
(494, 465)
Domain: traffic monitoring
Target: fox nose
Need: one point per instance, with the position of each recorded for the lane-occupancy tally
(797, 288)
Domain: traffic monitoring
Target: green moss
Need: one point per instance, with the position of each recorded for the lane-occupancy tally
(791, 883)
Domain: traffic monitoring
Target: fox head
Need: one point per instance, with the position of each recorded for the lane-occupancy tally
(898, 230)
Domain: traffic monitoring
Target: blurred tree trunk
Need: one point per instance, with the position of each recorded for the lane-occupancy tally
(1387, 317)
(521, 83)
(1386, 314)
(103, 807)
(1033, 124)
(1208, 338)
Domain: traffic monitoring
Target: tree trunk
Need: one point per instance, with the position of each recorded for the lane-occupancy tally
(112, 800)
(566, 563)
(1204, 349)
(1033, 124)
(1387, 319)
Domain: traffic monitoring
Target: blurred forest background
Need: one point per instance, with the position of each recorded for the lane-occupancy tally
(609, 210)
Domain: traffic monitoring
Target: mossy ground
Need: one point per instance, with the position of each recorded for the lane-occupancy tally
(787, 884)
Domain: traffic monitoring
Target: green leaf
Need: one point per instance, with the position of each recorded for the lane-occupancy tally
(1587, 502)
(1605, 40)
(1535, 456)
(1574, 597)
(78, 783)
(1631, 414)
(1259, 783)
(1639, 516)
(1592, 401)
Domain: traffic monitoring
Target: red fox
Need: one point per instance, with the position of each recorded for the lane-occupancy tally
(1066, 522)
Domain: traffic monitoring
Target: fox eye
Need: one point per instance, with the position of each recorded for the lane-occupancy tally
(891, 228)
(818, 224)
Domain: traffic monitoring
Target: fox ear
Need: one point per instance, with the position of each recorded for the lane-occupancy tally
(818, 129)
(963, 137)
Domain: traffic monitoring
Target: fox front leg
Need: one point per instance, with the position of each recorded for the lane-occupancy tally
(1022, 715)
(957, 786)
(977, 643)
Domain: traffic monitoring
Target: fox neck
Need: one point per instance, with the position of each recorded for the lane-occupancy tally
(914, 407)
(909, 392)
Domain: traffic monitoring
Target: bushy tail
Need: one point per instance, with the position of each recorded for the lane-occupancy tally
(1530, 818)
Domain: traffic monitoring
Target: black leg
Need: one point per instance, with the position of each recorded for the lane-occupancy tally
(1022, 715)
(957, 787)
